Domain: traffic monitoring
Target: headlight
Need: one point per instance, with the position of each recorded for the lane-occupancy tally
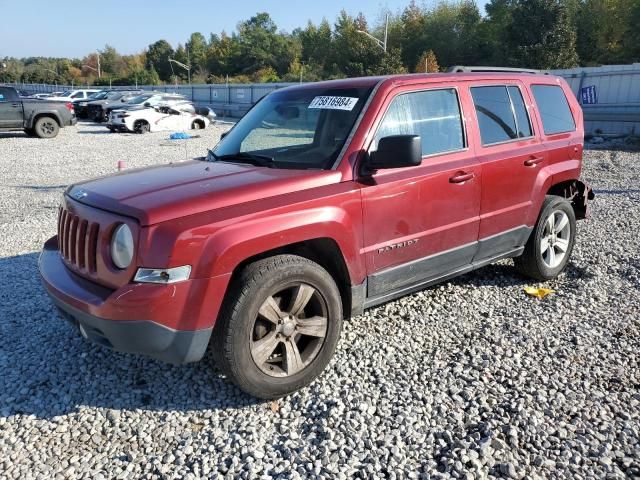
(122, 246)
(163, 275)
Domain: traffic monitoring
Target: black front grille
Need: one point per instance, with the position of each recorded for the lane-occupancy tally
(78, 240)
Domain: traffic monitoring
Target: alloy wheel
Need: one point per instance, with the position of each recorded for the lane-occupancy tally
(289, 330)
(555, 238)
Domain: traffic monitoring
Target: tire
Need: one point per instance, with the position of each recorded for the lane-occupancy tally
(46, 127)
(243, 336)
(196, 126)
(111, 129)
(141, 126)
(542, 263)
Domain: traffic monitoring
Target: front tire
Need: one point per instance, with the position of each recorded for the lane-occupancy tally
(46, 127)
(549, 247)
(279, 327)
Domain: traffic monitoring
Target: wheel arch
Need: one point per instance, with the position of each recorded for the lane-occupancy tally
(324, 251)
(39, 115)
(577, 192)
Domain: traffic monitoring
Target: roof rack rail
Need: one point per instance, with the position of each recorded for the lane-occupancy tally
(466, 69)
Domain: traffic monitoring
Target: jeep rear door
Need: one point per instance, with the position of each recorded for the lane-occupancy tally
(421, 222)
(11, 115)
(511, 154)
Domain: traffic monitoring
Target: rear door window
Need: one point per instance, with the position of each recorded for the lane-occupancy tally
(495, 117)
(520, 110)
(554, 109)
(432, 114)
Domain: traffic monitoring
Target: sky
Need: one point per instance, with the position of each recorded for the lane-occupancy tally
(73, 28)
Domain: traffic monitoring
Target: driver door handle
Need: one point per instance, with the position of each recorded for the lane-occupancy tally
(533, 161)
(462, 177)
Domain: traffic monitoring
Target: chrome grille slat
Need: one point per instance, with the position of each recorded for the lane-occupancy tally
(81, 251)
(73, 240)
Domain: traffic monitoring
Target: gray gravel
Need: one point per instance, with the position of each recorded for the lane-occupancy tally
(468, 379)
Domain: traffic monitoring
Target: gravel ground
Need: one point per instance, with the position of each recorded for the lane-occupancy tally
(468, 379)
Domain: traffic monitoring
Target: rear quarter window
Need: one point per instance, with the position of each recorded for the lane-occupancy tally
(554, 109)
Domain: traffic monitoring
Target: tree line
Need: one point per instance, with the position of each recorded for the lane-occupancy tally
(544, 34)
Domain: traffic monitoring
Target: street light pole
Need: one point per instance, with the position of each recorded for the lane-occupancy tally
(180, 64)
(382, 44)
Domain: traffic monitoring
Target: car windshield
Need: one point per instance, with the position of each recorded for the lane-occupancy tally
(300, 128)
(114, 95)
(98, 95)
(67, 93)
(140, 99)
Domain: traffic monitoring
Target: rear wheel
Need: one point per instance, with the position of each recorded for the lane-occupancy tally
(279, 327)
(196, 125)
(141, 126)
(46, 127)
(549, 247)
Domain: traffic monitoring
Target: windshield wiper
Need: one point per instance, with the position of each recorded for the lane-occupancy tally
(243, 157)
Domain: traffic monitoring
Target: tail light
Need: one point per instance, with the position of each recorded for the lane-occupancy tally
(69, 107)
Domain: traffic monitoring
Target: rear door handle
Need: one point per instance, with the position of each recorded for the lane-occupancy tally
(462, 177)
(533, 161)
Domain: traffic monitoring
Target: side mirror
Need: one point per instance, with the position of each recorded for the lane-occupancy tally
(396, 151)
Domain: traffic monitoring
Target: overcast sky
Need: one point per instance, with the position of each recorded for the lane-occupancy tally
(75, 28)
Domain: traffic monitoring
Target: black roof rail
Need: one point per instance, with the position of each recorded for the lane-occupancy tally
(466, 69)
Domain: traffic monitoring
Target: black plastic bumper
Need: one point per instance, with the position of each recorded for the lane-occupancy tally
(142, 337)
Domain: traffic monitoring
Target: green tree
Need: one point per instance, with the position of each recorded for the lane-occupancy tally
(197, 47)
(540, 35)
(158, 55)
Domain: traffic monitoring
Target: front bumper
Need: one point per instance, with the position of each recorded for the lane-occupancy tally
(137, 318)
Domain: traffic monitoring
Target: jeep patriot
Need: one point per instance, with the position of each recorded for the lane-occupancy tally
(325, 199)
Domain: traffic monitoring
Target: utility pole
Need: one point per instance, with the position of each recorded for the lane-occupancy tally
(99, 71)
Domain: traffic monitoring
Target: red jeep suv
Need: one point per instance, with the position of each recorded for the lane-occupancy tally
(325, 199)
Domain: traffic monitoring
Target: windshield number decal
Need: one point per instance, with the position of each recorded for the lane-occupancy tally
(334, 103)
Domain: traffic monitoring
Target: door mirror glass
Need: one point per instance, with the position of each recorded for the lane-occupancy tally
(396, 151)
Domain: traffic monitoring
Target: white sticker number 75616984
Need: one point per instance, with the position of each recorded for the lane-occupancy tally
(334, 103)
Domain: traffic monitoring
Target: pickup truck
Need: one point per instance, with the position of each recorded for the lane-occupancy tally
(42, 118)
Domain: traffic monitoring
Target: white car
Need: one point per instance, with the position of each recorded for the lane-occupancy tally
(177, 117)
(71, 95)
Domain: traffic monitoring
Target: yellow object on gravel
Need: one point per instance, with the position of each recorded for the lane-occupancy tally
(538, 292)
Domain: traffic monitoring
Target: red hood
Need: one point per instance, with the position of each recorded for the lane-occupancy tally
(157, 194)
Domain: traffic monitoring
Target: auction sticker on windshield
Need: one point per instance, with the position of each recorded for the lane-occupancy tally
(334, 103)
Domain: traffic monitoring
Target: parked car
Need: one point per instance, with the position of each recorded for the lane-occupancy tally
(24, 93)
(39, 117)
(80, 105)
(96, 109)
(145, 100)
(179, 116)
(71, 95)
(323, 200)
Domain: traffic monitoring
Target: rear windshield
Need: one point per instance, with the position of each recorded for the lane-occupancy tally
(554, 109)
(299, 128)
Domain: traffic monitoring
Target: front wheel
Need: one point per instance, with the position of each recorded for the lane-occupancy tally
(280, 326)
(549, 247)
